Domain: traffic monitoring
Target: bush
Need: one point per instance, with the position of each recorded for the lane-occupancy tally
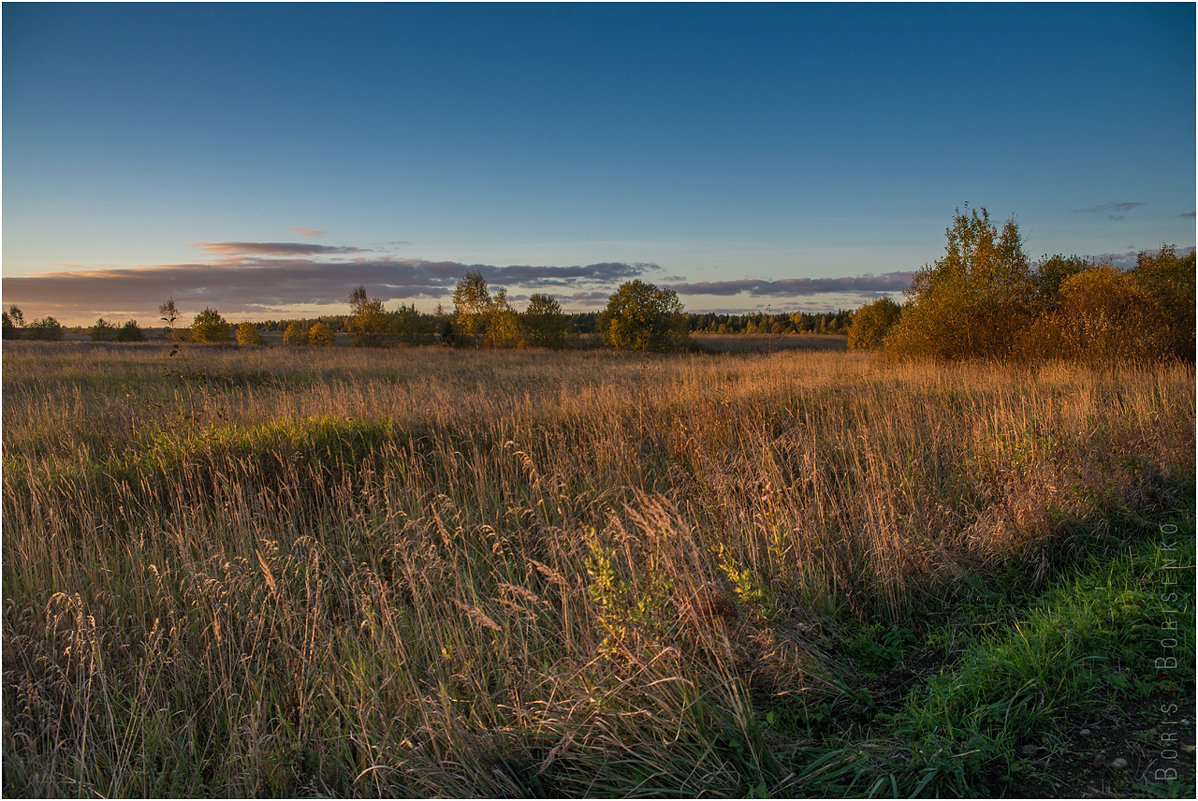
(102, 331)
(247, 334)
(320, 335)
(639, 316)
(208, 326)
(46, 328)
(296, 335)
(871, 323)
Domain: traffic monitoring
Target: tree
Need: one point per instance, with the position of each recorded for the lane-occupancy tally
(296, 335)
(544, 324)
(320, 335)
(102, 331)
(471, 304)
(973, 302)
(130, 332)
(247, 334)
(502, 328)
(871, 323)
(639, 316)
(208, 326)
(170, 313)
(368, 321)
(411, 327)
(1167, 282)
(44, 328)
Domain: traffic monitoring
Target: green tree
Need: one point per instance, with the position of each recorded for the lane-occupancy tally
(368, 323)
(320, 335)
(45, 328)
(247, 334)
(208, 326)
(639, 316)
(471, 304)
(130, 332)
(871, 323)
(296, 334)
(544, 324)
(102, 331)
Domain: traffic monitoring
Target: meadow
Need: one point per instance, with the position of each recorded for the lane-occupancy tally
(411, 572)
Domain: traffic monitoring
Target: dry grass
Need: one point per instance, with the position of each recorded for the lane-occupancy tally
(419, 571)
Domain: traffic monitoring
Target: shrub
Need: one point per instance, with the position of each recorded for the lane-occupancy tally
(871, 323)
(102, 331)
(208, 326)
(296, 334)
(247, 334)
(46, 328)
(320, 335)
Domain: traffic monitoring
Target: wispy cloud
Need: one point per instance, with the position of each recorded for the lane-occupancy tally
(1113, 211)
(306, 231)
(271, 248)
(1186, 214)
(799, 287)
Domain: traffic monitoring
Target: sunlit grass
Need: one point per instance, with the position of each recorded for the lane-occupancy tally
(408, 572)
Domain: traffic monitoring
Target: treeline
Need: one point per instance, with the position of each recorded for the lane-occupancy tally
(985, 300)
(406, 321)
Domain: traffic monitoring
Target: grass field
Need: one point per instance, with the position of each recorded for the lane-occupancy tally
(420, 572)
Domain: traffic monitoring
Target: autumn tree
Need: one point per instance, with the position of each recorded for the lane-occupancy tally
(247, 334)
(368, 322)
(209, 326)
(975, 300)
(871, 323)
(502, 327)
(296, 334)
(639, 316)
(320, 335)
(471, 304)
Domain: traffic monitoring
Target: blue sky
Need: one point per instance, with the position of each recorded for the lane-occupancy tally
(265, 159)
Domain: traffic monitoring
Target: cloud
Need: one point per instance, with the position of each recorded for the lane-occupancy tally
(1129, 258)
(306, 231)
(1114, 211)
(259, 283)
(799, 287)
(1187, 214)
(271, 248)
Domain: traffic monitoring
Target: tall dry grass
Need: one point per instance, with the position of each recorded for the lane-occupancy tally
(415, 572)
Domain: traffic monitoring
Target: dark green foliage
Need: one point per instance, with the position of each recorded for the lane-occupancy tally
(544, 324)
(130, 332)
(46, 328)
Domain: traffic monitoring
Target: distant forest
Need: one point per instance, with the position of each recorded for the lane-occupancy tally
(586, 322)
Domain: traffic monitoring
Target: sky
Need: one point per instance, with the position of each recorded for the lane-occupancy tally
(265, 159)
